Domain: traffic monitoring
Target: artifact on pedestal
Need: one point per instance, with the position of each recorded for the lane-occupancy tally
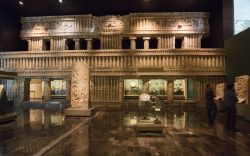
(79, 91)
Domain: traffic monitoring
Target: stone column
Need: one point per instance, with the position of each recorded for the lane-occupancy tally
(77, 44)
(68, 89)
(26, 89)
(89, 43)
(24, 95)
(170, 90)
(199, 41)
(197, 90)
(185, 43)
(79, 100)
(46, 89)
(159, 43)
(65, 44)
(29, 45)
(132, 42)
(146, 42)
(120, 43)
(52, 45)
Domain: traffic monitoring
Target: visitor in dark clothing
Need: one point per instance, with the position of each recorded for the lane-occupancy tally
(211, 106)
(230, 100)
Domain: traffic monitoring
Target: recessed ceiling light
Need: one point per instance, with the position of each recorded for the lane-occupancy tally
(61, 1)
(21, 2)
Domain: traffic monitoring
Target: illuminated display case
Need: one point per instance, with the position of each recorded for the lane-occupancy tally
(58, 88)
(136, 87)
(149, 117)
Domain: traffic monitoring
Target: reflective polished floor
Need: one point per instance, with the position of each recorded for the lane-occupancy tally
(110, 133)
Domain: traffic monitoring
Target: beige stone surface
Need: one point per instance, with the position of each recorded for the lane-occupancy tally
(242, 84)
(80, 86)
(219, 91)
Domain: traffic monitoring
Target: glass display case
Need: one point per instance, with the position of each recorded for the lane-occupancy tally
(8, 95)
(150, 115)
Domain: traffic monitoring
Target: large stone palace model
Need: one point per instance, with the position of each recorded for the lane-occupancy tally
(171, 50)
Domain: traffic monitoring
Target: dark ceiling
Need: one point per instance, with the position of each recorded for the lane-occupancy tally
(104, 7)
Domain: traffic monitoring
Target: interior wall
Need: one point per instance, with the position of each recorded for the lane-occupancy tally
(10, 28)
(36, 89)
(238, 54)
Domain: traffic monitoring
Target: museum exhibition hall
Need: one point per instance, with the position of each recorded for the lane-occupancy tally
(124, 77)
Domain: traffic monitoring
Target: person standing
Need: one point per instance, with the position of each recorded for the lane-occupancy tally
(211, 106)
(230, 100)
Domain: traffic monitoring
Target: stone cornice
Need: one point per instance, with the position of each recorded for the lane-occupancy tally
(134, 23)
(90, 53)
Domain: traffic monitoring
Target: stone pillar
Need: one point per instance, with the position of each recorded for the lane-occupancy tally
(170, 90)
(120, 43)
(197, 90)
(132, 42)
(46, 89)
(159, 43)
(68, 89)
(89, 43)
(80, 105)
(29, 45)
(146, 42)
(23, 117)
(65, 44)
(199, 41)
(52, 45)
(26, 89)
(77, 44)
(185, 43)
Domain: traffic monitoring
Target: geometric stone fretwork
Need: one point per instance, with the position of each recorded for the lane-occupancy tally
(242, 88)
(80, 86)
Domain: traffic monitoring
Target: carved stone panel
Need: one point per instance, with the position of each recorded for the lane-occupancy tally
(242, 88)
(219, 91)
(134, 23)
(80, 85)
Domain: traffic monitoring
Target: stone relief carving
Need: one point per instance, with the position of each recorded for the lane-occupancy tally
(111, 23)
(219, 91)
(80, 85)
(87, 24)
(242, 88)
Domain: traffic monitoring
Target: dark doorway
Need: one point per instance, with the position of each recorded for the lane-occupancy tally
(125, 43)
(96, 43)
(139, 43)
(83, 44)
(70, 44)
(153, 43)
(178, 43)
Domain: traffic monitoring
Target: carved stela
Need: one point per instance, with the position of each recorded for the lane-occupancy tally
(80, 86)
(242, 88)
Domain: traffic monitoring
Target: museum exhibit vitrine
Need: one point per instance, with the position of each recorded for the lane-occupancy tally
(58, 88)
(8, 96)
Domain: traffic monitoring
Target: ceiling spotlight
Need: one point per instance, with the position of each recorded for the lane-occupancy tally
(61, 1)
(21, 2)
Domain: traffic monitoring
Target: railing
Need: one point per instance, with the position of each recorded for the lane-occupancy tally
(169, 60)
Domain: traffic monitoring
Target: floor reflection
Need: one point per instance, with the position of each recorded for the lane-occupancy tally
(38, 128)
(113, 132)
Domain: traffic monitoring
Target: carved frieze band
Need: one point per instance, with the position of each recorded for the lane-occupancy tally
(136, 23)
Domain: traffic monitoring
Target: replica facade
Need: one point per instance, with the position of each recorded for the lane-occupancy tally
(152, 53)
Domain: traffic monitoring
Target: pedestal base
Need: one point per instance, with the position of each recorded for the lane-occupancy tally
(79, 112)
